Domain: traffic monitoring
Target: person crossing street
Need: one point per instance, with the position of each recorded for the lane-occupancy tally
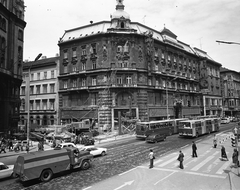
(194, 149)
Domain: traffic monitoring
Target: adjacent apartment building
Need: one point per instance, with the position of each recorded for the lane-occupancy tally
(230, 81)
(12, 27)
(122, 67)
(43, 92)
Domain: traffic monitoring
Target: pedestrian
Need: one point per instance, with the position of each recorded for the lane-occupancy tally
(180, 159)
(235, 158)
(10, 145)
(39, 146)
(27, 147)
(151, 158)
(194, 149)
(223, 154)
(3, 146)
(215, 141)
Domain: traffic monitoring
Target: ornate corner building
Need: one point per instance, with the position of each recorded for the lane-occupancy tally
(230, 81)
(12, 26)
(125, 67)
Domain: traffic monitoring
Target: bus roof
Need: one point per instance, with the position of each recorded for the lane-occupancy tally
(191, 121)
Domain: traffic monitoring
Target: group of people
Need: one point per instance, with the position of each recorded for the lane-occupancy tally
(194, 154)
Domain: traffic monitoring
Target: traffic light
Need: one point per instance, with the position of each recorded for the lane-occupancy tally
(233, 142)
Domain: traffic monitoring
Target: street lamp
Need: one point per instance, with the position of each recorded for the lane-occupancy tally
(167, 94)
(28, 96)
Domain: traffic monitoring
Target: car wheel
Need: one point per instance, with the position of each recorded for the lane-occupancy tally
(46, 175)
(13, 175)
(85, 165)
(103, 153)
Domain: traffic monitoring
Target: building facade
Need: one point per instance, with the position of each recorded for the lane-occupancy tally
(12, 26)
(230, 81)
(42, 95)
(125, 68)
(210, 85)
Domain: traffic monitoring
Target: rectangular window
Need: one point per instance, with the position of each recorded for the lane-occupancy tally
(94, 65)
(45, 88)
(38, 76)
(163, 56)
(84, 66)
(52, 74)
(31, 90)
(94, 81)
(45, 75)
(37, 104)
(84, 52)
(119, 80)
(52, 104)
(129, 80)
(32, 77)
(74, 52)
(65, 69)
(38, 89)
(119, 49)
(52, 88)
(149, 82)
(31, 105)
(84, 82)
(44, 104)
(93, 49)
(74, 83)
(23, 90)
(74, 68)
(65, 84)
(65, 54)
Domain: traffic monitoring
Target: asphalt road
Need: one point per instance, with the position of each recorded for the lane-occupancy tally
(122, 156)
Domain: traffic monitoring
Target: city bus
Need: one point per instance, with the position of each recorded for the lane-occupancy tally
(175, 124)
(163, 127)
(194, 128)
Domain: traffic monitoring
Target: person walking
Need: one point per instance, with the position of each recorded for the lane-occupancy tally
(194, 149)
(3, 146)
(235, 158)
(215, 141)
(27, 147)
(223, 154)
(180, 159)
(151, 158)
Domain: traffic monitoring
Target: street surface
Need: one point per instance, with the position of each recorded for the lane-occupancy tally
(205, 172)
(129, 154)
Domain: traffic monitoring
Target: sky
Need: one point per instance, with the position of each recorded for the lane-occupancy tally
(199, 23)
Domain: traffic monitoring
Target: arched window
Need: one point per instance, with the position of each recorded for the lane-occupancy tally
(38, 120)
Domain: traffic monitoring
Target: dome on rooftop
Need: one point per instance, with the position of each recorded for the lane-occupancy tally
(119, 13)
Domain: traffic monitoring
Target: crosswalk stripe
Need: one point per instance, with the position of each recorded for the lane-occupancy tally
(224, 166)
(167, 162)
(197, 167)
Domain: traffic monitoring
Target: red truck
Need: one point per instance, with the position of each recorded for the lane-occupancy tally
(44, 164)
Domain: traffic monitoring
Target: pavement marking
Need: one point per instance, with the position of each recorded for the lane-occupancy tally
(167, 162)
(224, 166)
(127, 171)
(165, 177)
(88, 188)
(187, 172)
(158, 161)
(201, 164)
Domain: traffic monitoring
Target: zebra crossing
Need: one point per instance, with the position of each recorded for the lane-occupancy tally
(207, 163)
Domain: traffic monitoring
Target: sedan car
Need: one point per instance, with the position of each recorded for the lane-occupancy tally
(155, 138)
(6, 170)
(95, 151)
(64, 145)
(225, 121)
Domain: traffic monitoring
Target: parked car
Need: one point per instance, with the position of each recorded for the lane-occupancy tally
(225, 120)
(154, 138)
(6, 171)
(95, 151)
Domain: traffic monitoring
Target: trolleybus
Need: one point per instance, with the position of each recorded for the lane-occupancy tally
(194, 128)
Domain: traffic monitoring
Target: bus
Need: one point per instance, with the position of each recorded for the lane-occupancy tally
(144, 129)
(175, 124)
(194, 128)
